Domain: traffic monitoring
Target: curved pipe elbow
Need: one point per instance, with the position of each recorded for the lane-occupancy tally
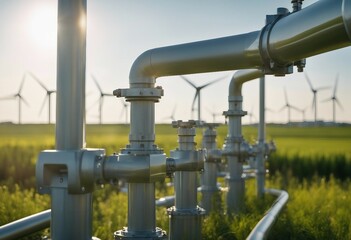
(141, 73)
(346, 13)
(240, 77)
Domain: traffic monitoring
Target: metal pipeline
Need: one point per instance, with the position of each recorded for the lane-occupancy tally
(25, 226)
(318, 28)
(264, 225)
(321, 27)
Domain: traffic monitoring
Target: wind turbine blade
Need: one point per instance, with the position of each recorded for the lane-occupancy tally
(336, 85)
(188, 81)
(42, 105)
(8, 97)
(214, 81)
(327, 100)
(322, 88)
(339, 103)
(91, 106)
(296, 108)
(21, 86)
(38, 81)
(281, 109)
(24, 100)
(309, 81)
(286, 96)
(196, 95)
(96, 83)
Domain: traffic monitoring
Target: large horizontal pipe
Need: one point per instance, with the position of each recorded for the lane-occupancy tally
(264, 225)
(25, 226)
(321, 27)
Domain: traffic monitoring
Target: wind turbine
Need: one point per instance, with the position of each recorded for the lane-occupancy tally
(47, 97)
(101, 98)
(251, 115)
(198, 94)
(214, 115)
(288, 106)
(20, 99)
(125, 110)
(171, 117)
(314, 91)
(334, 99)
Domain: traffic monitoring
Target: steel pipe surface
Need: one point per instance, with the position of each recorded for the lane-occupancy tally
(25, 226)
(261, 230)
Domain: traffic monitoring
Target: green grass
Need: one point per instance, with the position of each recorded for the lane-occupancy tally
(312, 164)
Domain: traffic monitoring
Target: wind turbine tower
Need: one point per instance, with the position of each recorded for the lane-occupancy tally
(288, 106)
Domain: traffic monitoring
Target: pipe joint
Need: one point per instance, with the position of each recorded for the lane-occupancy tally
(140, 94)
(76, 170)
(186, 160)
(138, 168)
(237, 146)
(234, 113)
(270, 66)
(213, 156)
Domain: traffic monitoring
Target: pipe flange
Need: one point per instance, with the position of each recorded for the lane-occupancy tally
(137, 94)
(238, 113)
(198, 211)
(125, 234)
(269, 65)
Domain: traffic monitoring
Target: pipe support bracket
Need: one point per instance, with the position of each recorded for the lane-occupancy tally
(75, 170)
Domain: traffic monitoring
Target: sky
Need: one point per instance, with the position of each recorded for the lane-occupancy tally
(118, 31)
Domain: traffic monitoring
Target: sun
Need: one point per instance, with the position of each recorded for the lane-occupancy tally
(42, 26)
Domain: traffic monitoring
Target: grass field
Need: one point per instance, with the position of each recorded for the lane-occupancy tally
(313, 164)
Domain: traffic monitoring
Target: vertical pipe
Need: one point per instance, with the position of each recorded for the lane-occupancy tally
(71, 213)
(185, 217)
(210, 190)
(260, 168)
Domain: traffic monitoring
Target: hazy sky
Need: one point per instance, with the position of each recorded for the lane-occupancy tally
(120, 30)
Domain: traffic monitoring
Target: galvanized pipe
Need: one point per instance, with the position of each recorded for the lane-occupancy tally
(185, 217)
(260, 159)
(234, 140)
(209, 189)
(25, 226)
(71, 216)
(262, 228)
(321, 27)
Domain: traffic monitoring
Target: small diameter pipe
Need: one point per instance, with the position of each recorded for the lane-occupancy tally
(25, 226)
(262, 228)
(234, 140)
(260, 159)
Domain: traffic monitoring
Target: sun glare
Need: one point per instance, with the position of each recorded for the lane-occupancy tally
(42, 26)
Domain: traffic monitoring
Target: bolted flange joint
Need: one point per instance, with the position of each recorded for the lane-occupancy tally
(138, 94)
(76, 170)
(237, 146)
(270, 66)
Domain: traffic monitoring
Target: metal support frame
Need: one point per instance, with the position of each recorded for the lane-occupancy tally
(185, 217)
(209, 189)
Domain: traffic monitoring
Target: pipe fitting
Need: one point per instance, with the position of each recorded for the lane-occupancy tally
(237, 146)
(187, 160)
(76, 170)
(135, 168)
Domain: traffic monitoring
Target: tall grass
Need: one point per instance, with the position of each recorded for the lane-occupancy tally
(312, 164)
